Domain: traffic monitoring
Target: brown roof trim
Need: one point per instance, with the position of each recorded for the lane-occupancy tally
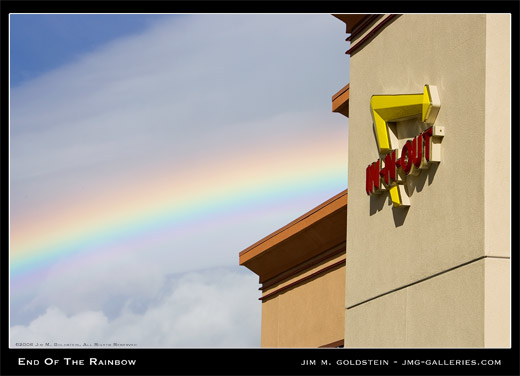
(302, 267)
(342, 90)
(339, 343)
(351, 20)
(361, 26)
(287, 227)
(319, 230)
(301, 280)
(371, 34)
(340, 101)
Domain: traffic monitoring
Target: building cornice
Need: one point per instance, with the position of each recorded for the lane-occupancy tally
(311, 234)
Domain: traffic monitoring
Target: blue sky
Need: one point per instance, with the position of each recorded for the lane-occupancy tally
(41, 42)
(146, 152)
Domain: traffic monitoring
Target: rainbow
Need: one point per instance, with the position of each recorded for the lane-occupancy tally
(160, 204)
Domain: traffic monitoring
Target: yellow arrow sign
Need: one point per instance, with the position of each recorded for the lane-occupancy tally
(386, 108)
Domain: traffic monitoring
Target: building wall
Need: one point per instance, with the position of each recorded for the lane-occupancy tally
(429, 275)
(310, 314)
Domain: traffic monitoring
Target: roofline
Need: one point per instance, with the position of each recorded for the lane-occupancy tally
(340, 101)
(352, 20)
(319, 212)
(345, 89)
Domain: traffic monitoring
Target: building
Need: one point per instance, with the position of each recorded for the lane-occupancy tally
(428, 226)
(302, 271)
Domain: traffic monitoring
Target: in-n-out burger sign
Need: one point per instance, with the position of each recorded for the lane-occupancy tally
(389, 172)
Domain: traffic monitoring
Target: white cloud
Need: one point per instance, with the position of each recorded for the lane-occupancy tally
(179, 84)
(210, 308)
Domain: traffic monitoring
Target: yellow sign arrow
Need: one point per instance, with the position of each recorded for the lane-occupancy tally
(386, 108)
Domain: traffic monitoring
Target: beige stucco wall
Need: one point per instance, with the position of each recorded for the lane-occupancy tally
(409, 263)
(445, 311)
(497, 135)
(497, 300)
(310, 314)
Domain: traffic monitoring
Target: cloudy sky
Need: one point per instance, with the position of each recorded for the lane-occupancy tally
(147, 151)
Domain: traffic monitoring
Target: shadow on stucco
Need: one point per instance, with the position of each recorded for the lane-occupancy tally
(413, 184)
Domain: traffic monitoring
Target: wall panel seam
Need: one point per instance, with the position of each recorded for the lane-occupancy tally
(422, 280)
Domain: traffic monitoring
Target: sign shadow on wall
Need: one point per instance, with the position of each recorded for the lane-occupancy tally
(413, 184)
